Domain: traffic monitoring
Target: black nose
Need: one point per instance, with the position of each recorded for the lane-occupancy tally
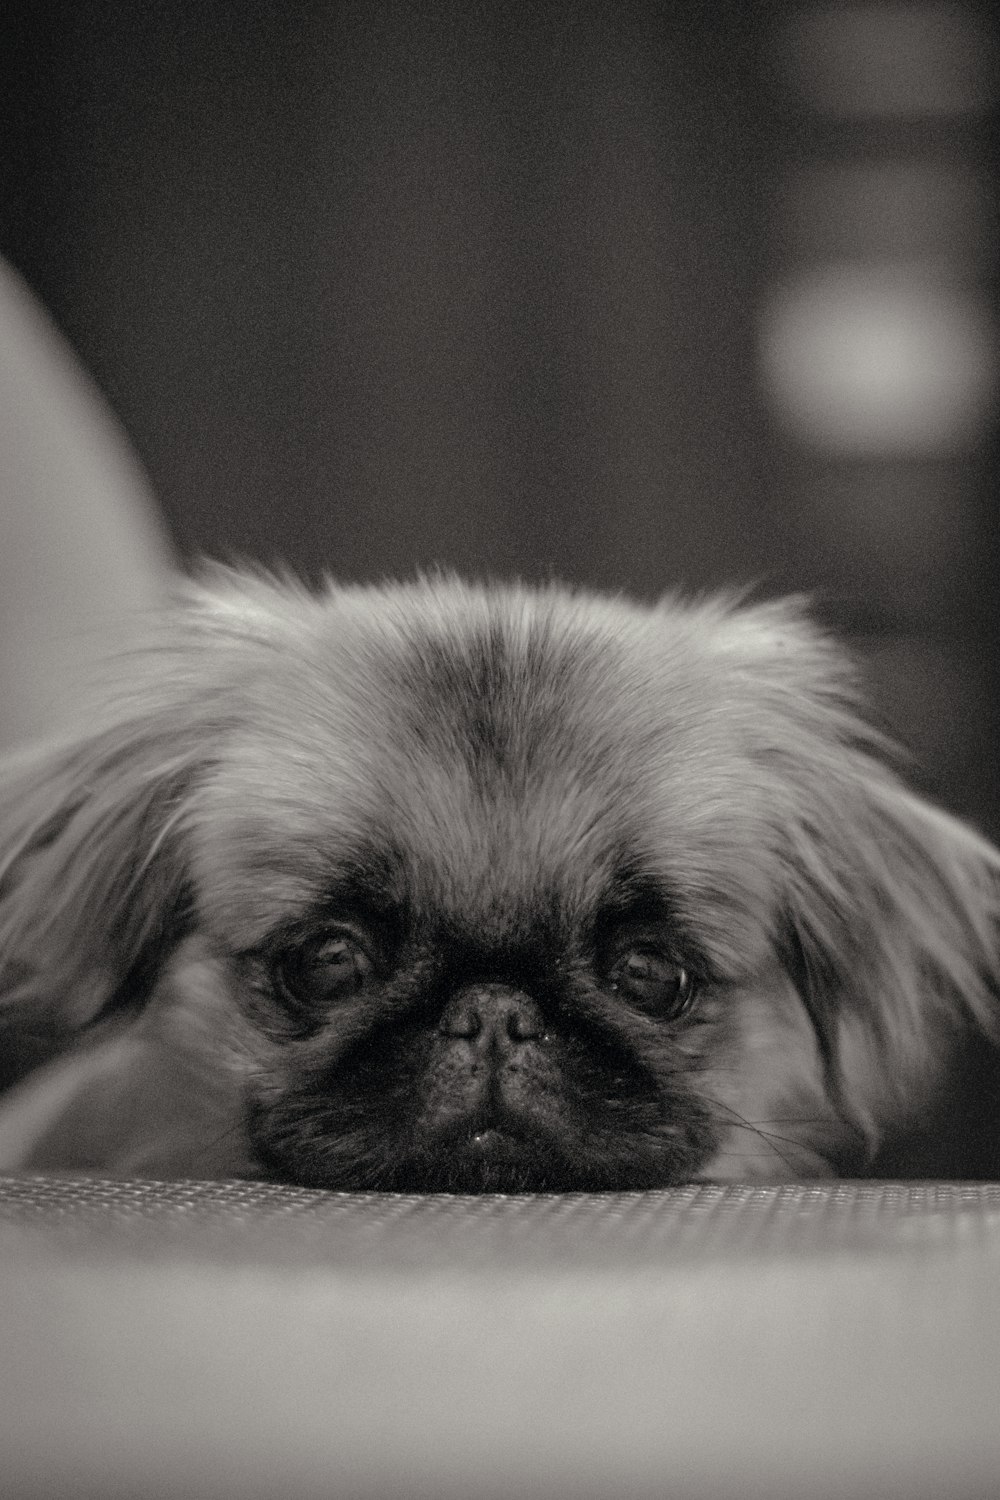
(492, 1014)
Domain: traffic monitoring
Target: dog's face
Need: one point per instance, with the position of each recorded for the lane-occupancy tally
(437, 887)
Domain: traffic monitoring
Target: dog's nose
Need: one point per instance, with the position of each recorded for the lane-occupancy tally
(492, 1014)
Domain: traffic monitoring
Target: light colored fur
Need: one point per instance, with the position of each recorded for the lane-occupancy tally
(258, 727)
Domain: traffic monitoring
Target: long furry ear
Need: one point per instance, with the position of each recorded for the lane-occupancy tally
(894, 912)
(93, 884)
(891, 907)
(898, 957)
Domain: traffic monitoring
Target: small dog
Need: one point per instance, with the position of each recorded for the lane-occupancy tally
(455, 887)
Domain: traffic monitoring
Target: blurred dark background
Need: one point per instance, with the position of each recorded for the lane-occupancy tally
(634, 294)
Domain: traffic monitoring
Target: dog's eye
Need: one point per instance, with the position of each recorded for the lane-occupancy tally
(325, 970)
(650, 979)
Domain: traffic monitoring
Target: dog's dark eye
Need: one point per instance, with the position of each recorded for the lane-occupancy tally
(650, 979)
(327, 969)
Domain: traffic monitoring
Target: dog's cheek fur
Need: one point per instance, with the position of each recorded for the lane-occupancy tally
(766, 1086)
(161, 1094)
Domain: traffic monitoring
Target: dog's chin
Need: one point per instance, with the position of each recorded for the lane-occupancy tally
(489, 1160)
(487, 1151)
(484, 1156)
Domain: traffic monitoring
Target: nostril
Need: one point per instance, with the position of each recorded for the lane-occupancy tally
(461, 1023)
(523, 1025)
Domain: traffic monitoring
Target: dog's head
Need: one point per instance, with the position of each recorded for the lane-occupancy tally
(436, 886)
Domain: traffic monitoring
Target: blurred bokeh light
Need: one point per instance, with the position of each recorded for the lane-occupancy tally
(899, 61)
(881, 361)
(878, 356)
(878, 339)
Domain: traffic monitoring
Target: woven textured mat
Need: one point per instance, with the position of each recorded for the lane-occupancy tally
(200, 1341)
(265, 1222)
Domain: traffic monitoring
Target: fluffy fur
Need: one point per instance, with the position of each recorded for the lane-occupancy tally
(446, 886)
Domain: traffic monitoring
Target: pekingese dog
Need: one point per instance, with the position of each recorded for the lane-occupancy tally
(456, 887)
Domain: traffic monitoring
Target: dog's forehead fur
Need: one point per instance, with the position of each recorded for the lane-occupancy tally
(490, 746)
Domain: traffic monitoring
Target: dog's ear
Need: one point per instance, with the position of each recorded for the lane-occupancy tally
(894, 920)
(891, 906)
(93, 830)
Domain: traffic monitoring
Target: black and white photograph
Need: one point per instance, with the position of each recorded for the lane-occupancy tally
(499, 708)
